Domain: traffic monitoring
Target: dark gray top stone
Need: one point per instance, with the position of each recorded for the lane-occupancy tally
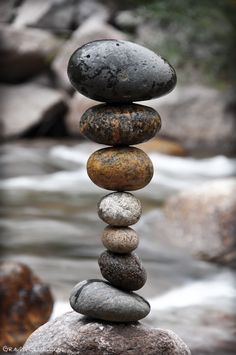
(119, 71)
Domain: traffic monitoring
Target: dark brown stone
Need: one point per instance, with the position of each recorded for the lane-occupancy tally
(120, 124)
(120, 169)
(124, 271)
(26, 303)
(73, 334)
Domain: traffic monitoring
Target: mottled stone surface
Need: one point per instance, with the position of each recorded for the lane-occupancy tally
(25, 302)
(100, 300)
(124, 271)
(119, 71)
(76, 335)
(120, 239)
(119, 209)
(120, 124)
(120, 169)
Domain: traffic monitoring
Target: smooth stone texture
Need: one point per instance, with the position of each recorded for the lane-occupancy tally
(120, 239)
(98, 299)
(120, 124)
(119, 71)
(73, 334)
(120, 209)
(120, 169)
(124, 271)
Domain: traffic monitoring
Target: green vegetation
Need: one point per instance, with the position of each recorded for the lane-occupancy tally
(200, 34)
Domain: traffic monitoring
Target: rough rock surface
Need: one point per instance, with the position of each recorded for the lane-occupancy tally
(72, 334)
(100, 300)
(120, 124)
(120, 239)
(117, 71)
(123, 271)
(26, 106)
(92, 29)
(202, 119)
(120, 209)
(202, 220)
(25, 52)
(26, 303)
(120, 169)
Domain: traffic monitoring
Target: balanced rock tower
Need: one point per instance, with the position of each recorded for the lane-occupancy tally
(117, 73)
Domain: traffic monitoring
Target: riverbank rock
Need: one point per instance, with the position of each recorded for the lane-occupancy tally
(202, 221)
(31, 110)
(201, 119)
(25, 53)
(94, 28)
(26, 303)
(73, 334)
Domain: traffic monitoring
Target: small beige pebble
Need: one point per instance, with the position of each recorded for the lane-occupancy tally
(120, 240)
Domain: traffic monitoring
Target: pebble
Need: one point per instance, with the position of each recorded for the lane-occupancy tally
(120, 209)
(124, 271)
(120, 239)
(120, 169)
(120, 124)
(119, 71)
(98, 299)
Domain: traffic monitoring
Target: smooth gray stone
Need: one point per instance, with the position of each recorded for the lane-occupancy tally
(120, 209)
(98, 299)
(124, 271)
(119, 71)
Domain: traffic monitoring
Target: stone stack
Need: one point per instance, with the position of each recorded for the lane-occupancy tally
(118, 73)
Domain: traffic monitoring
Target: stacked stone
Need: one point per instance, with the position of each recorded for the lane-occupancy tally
(118, 73)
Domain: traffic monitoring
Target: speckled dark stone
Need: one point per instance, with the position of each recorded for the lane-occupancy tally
(120, 169)
(124, 271)
(98, 299)
(119, 71)
(120, 124)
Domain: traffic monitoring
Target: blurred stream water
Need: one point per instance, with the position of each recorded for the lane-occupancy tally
(49, 221)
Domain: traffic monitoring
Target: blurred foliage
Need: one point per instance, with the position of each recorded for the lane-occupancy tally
(202, 33)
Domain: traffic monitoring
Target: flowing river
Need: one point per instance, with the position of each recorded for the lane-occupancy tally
(49, 221)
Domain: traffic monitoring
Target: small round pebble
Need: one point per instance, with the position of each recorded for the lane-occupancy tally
(98, 299)
(120, 124)
(124, 271)
(120, 169)
(120, 209)
(119, 71)
(120, 239)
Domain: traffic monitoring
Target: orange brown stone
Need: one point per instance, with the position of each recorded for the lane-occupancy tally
(120, 169)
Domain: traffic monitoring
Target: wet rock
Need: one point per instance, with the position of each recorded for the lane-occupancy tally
(123, 271)
(72, 334)
(26, 303)
(7, 10)
(92, 29)
(119, 71)
(120, 169)
(120, 125)
(31, 110)
(25, 53)
(120, 239)
(201, 119)
(202, 221)
(100, 300)
(119, 209)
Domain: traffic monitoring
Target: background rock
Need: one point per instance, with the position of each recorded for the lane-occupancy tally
(25, 53)
(200, 118)
(26, 303)
(202, 221)
(72, 334)
(29, 109)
